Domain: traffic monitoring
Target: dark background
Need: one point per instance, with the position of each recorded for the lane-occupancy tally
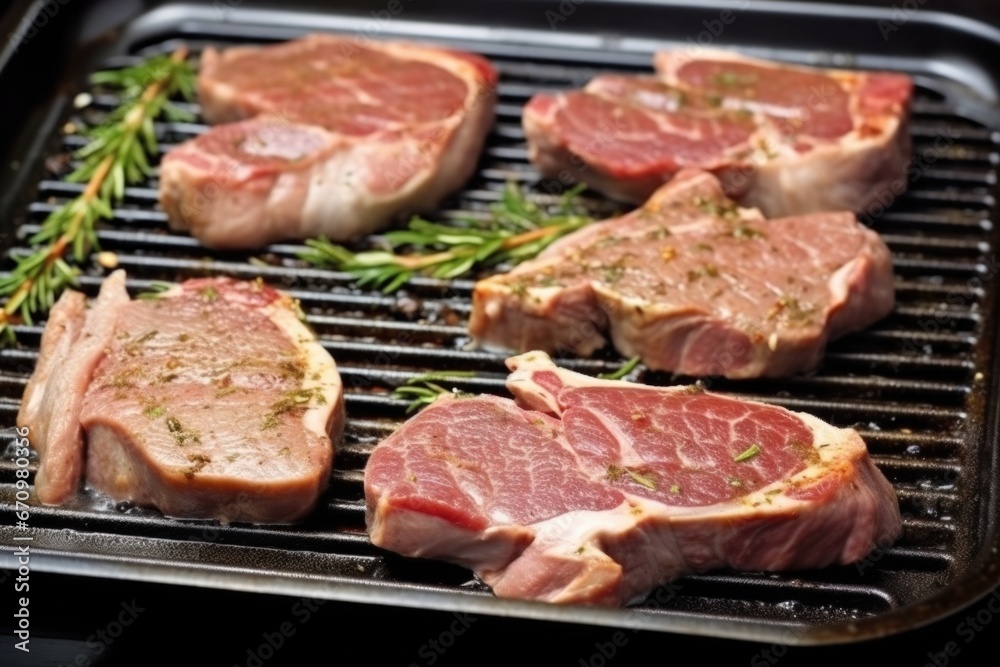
(176, 624)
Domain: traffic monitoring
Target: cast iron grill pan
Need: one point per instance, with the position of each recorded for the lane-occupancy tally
(912, 385)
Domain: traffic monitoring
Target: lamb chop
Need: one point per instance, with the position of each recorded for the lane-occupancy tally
(326, 136)
(211, 400)
(595, 491)
(694, 284)
(786, 139)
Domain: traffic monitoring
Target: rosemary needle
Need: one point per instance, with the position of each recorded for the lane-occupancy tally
(420, 397)
(517, 229)
(622, 371)
(117, 153)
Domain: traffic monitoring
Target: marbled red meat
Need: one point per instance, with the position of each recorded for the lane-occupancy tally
(788, 140)
(337, 138)
(594, 491)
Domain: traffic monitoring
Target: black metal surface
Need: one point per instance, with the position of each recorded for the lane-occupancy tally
(916, 386)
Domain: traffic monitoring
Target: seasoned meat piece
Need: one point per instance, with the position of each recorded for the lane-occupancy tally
(211, 401)
(336, 139)
(788, 140)
(595, 491)
(73, 344)
(693, 284)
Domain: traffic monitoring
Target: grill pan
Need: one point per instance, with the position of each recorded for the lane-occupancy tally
(920, 386)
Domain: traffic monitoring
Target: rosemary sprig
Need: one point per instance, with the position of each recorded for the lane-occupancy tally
(118, 153)
(647, 479)
(752, 451)
(422, 396)
(622, 371)
(154, 291)
(517, 229)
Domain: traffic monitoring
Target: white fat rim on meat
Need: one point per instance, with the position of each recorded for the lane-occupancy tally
(829, 169)
(321, 371)
(669, 62)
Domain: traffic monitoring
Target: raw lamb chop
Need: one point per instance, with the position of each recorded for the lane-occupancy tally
(788, 140)
(210, 401)
(694, 285)
(595, 492)
(344, 138)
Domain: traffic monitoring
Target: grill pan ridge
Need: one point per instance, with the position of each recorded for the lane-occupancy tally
(916, 385)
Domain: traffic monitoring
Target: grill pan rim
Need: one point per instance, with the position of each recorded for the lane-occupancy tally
(960, 593)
